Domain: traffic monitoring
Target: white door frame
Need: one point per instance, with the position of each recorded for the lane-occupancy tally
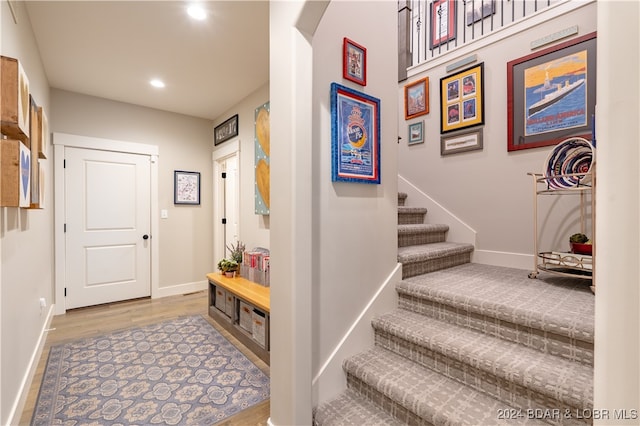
(229, 149)
(62, 140)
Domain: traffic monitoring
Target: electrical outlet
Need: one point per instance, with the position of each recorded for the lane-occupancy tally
(43, 302)
(164, 214)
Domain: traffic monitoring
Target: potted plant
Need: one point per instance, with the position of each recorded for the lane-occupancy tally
(580, 244)
(228, 267)
(236, 251)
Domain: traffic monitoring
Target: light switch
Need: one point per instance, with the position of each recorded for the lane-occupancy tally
(164, 214)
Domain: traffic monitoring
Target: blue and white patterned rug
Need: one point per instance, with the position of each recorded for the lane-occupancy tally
(178, 372)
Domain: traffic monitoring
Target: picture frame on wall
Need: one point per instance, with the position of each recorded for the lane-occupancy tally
(225, 131)
(416, 98)
(354, 62)
(480, 9)
(462, 99)
(551, 94)
(355, 136)
(416, 133)
(186, 187)
(462, 141)
(443, 18)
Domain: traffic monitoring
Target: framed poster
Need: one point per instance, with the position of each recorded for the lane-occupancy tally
(480, 9)
(551, 94)
(226, 130)
(355, 136)
(442, 15)
(186, 187)
(416, 133)
(354, 62)
(416, 98)
(462, 99)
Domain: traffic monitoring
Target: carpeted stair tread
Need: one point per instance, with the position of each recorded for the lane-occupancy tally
(418, 253)
(560, 305)
(431, 396)
(402, 197)
(570, 383)
(352, 409)
(407, 210)
(407, 215)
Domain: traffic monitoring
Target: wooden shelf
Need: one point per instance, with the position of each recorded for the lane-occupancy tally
(254, 296)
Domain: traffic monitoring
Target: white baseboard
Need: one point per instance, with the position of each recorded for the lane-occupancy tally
(330, 380)
(504, 259)
(23, 391)
(178, 289)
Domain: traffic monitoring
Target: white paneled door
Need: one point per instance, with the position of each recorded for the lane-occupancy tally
(108, 248)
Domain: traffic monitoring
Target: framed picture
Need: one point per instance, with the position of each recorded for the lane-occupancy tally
(186, 187)
(468, 140)
(354, 62)
(416, 133)
(355, 136)
(226, 130)
(416, 98)
(479, 10)
(551, 94)
(462, 99)
(442, 15)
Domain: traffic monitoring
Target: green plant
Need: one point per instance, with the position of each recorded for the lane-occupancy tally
(227, 265)
(578, 238)
(236, 251)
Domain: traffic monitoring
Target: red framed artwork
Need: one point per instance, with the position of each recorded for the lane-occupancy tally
(551, 94)
(354, 62)
(416, 98)
(442, 15)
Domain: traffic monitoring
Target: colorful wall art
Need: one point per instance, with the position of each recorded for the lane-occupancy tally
(262, 152)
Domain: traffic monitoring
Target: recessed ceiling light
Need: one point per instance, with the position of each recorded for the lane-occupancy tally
(197, 12)
(157, 83)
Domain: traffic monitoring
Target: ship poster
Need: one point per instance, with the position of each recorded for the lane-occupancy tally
(555, 94)
(355, 134)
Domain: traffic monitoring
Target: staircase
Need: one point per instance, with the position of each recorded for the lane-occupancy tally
(470, 344)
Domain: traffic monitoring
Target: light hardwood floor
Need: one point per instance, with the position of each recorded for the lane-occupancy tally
(97, 320)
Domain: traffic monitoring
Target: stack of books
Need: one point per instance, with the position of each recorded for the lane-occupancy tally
(255, 266)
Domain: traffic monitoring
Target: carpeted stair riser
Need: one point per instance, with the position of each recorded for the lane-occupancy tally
(401, 198)
(419, 234)
(429, 261)
(544, 341)
(411, 215)
(506, 371)
(416, 395)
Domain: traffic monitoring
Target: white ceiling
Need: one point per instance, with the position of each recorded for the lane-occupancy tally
(112, 49)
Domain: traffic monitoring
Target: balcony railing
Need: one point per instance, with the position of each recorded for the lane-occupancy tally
(431, 28)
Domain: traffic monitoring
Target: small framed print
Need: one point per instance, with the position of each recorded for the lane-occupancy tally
(354, 62)
(416, 98)
(461, 142)
(416, 133)
(443, 22)
(186, 187)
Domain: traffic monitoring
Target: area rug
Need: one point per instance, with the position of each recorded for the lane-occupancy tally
(178, 372)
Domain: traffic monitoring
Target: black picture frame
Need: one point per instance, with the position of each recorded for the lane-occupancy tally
(225, 131)
(186, 187)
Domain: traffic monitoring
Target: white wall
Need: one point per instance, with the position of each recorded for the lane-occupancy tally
(617, 344)
(254, 229)
(26, 240)
(186, 252)
(333, 244)
(489, 190)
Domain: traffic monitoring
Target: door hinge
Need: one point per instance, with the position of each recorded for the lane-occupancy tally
(65, 292)
(224, 175)
(64, 164)
(65, 227)
(224, 220)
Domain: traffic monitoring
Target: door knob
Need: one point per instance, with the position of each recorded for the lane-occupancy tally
(145, 237)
